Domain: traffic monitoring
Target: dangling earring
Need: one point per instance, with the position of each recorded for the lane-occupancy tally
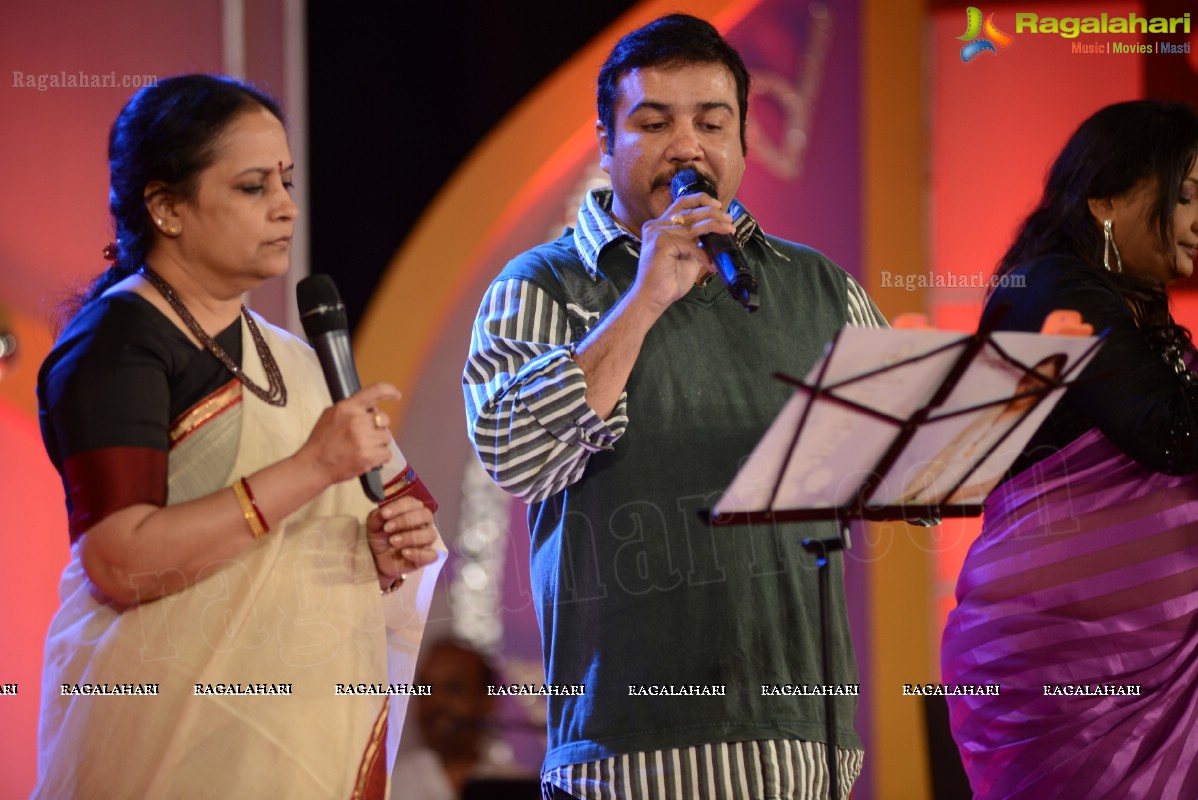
(1108, 245)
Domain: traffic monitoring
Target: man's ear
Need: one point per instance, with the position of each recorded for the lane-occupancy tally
(604, 140)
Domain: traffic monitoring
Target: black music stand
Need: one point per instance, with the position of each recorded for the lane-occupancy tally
(902, 427)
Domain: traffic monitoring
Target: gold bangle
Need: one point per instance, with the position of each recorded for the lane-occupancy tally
(254, 502)
(248, 511)
(395, 584)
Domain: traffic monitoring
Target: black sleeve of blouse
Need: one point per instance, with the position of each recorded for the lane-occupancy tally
(1136, 399)
(106, 382)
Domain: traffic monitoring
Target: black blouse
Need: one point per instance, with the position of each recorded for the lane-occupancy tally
(1134, 397)
(117, 378)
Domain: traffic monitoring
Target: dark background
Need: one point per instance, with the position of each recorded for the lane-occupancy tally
(393, 108)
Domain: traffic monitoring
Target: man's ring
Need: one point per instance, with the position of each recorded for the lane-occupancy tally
(678, 220)
(378, 420)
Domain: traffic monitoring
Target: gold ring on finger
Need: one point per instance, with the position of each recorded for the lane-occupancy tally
(678, 220)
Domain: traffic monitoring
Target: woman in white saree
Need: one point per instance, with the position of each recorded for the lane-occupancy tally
(237, 617)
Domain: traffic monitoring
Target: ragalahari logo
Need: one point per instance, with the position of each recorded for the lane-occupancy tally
(990, 35)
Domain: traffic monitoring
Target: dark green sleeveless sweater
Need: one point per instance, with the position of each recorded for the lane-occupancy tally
(633, 591)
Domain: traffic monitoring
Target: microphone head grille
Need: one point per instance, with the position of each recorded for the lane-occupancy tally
(689, 181)
(320, 306)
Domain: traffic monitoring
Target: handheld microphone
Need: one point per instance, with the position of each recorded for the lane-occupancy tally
(323, 316)
(721, 248)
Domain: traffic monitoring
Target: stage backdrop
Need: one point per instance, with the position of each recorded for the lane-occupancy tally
(890, 153)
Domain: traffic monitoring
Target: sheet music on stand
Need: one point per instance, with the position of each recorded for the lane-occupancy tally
(897, 424)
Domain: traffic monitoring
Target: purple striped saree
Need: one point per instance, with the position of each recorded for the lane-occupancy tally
(1082, 586)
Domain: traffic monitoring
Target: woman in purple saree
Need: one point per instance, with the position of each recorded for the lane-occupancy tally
(1080, 596)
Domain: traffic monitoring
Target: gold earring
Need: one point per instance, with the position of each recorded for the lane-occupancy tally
(1108, 244)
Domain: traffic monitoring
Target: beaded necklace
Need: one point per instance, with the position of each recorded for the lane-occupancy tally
(276, 393)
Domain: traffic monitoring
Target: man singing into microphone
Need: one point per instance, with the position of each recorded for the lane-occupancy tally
(615, 385)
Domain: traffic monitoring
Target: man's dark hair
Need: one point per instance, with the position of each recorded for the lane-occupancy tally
(676, 40)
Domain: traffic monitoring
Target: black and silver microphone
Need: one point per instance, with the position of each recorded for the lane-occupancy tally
(323, 316)
(721, 248)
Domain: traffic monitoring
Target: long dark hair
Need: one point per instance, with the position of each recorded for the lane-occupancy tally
(167, 132)
(1114, 150)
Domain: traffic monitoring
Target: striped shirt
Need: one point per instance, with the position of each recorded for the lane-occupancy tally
(781, 770)
(534, 433)
(525, 395)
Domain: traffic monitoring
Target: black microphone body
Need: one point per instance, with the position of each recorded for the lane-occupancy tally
(323, 316)
(722, 249)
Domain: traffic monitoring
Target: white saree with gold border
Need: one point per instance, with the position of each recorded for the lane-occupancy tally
(300, 611)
